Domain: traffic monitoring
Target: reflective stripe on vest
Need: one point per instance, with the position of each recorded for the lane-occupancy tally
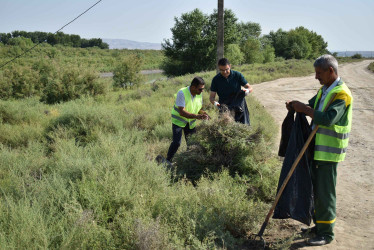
(191, 106)
(332, 142)
(333, 133)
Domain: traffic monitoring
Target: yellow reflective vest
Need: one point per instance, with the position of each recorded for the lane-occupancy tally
(332, 142)
(191, 106)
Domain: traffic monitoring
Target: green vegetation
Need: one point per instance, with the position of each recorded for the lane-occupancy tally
(59, 74)
(127, 72)
(81, 174)
(371, 66)
(192, 47)
(357, 56)
(95, 59)
(16, 37)
(298, 43)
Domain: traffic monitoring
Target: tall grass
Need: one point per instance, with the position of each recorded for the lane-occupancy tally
(82, 174)
(101, 60)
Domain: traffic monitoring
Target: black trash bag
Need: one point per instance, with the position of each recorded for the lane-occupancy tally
(238, 105)
(296, 201)
(286, 132)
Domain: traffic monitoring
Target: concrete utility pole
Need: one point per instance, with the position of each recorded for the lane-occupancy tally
(220, 31)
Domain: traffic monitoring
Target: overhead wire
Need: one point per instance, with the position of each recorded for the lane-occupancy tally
(28, 50)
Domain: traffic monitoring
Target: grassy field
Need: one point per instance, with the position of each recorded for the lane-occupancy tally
(96, 59)
(81, 174)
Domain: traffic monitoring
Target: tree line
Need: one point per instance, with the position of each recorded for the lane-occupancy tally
(53, 39)
(193, 45)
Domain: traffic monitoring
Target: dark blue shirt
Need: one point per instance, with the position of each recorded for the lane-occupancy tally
(227, 88)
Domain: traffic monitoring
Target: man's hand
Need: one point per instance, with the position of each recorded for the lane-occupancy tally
(289, 106)
(203, 117)
(247, 89)
(298, 106)
(301, 108)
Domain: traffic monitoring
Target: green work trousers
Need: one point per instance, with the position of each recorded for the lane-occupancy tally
(324, 182)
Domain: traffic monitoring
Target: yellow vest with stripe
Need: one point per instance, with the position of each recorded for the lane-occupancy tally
(191, 106)
(332, 142)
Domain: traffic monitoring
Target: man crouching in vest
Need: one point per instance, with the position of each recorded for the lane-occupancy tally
(185, 112)
(331, 142)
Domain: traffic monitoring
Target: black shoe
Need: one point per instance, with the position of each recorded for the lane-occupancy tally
(312, 230)
(318, 241)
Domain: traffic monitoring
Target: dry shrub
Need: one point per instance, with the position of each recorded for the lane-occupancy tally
(224, 144)
(149, 236)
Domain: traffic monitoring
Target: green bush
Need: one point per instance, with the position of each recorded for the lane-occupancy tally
(234, 54)
(83, 124)
(269, 53)
(19, 82)
(224, 144)
(81, 174)
(371, 66)
(251, 50)
(127, 72)
(356, 56)
(72, 85)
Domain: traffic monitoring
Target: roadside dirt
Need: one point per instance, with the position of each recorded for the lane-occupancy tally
(354, 228)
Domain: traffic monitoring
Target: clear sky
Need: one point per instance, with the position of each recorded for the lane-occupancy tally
(344, 24)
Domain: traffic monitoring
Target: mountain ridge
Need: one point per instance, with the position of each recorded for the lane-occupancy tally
(129, 44)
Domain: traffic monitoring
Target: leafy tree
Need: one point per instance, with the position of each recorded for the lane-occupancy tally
(234, 54)
(193, 44)
(268, 53)
(248, 30)
(231, 31)
(279, 40)
(127, 72)
(316, 42)
(299, 43)
(22, 42)
(53, 39)
(356, 56)
(188, 50)
(251, 49)
(4, 37)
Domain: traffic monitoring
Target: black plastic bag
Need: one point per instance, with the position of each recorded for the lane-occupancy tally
(286, 132)
(238, 105)
(296, 201)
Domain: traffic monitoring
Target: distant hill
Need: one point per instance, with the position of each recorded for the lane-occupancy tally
(128, 44)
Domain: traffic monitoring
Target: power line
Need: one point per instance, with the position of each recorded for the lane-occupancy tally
(26, 51)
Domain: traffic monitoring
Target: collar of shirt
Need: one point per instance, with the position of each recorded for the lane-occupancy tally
(192, 97)
(325, 91)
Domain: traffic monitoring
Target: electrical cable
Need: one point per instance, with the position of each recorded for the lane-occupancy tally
(26, 51)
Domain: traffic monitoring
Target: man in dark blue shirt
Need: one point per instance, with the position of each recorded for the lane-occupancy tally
(231, 87)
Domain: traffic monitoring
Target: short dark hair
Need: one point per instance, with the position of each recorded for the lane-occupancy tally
(197, 81)
(223, 62)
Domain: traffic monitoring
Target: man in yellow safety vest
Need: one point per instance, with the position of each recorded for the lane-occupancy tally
(331, 142)
(185, 112)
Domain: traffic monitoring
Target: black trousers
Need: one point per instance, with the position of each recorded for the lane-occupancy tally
(177, 139)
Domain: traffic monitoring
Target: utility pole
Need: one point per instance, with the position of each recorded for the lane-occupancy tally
(220, 31)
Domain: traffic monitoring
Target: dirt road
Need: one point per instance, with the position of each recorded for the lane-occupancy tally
(354, 228)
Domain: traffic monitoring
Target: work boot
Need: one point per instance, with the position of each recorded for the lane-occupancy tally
(318, 241)
(312, 230)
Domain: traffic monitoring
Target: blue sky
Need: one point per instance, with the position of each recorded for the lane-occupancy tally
(344, 24)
